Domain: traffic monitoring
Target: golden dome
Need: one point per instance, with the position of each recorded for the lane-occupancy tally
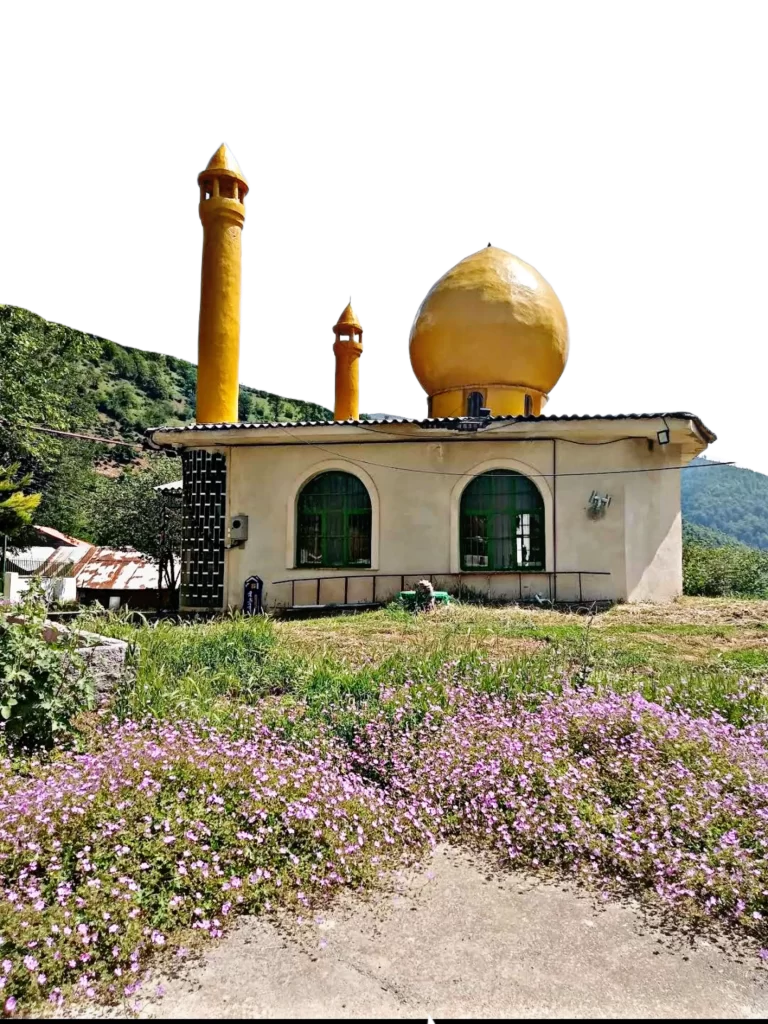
(493, 324)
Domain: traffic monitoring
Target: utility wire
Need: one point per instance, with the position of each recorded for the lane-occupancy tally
(412, 469)
(83, 437)
(441, 472)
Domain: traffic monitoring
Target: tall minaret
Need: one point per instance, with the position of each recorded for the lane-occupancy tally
(222, 191)
(347, 348)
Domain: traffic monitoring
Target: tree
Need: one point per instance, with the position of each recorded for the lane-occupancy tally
(186, 374)
(67, 490)
(44, 380)
(276, 405)
(244, 407)
(16, 508)
(127, 511)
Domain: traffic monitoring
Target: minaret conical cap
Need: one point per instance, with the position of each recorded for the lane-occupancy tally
(223, 160)
(348, 318)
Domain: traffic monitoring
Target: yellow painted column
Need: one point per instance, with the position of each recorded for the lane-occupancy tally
(222, 212)
(347, 348)
(347, 402)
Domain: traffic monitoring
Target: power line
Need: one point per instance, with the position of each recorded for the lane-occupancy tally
(441, 472)
(83, 437)
(412, 469)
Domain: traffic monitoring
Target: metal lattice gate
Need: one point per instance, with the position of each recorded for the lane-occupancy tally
(203, 529)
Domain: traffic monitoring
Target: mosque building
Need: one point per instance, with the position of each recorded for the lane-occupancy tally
(485, 494)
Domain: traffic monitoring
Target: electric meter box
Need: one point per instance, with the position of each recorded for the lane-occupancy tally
(238, 528)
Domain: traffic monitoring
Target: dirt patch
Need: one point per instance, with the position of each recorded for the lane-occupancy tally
(692, 611)
(361, 646)
(700, 646)
(508, 646)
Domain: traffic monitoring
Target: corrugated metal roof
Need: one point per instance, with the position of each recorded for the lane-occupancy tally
(70, 555)
(173, 485)
(446, 422)
(50, 533)
(51, 560)
(94, 567)
(110, 569)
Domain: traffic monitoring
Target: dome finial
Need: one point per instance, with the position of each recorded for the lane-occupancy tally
(488, 246)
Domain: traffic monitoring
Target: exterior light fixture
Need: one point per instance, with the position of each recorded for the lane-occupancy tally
(663, 435)
(598, 505)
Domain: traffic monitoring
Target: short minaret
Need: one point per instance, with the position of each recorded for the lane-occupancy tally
(222, 191)
(347, 348)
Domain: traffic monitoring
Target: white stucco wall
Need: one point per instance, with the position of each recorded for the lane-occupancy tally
(416, 512)
(653, 538)
(58, 588)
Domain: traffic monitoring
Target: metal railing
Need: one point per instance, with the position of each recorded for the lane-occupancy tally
(432, 576)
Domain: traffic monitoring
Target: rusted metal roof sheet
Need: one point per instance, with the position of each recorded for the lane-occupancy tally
(95, 568)
(110, 569)
(48, 533)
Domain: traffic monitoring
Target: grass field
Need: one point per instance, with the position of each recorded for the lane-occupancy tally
(698, 646)
(691, 630)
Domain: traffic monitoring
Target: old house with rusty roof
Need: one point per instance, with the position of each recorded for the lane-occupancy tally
(110, 576)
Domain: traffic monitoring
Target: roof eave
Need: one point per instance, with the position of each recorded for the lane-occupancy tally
(200, 434)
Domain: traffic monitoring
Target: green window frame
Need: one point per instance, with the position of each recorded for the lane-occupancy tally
(333, 523)
(502, 524)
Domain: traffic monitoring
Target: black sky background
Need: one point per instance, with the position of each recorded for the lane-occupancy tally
(635, 228)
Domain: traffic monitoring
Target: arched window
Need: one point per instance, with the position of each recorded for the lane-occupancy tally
(334, 523)
(502, 523)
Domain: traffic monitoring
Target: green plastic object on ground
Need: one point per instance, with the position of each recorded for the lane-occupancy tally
(407, 598)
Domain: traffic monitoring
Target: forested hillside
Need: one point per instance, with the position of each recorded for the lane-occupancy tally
(63, 379)
(134, 390)
(59, 377)
(125, 390)
(727, 499)
(706, 536)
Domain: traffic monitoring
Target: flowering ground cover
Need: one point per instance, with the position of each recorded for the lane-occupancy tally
(104, 855)
(241, 774)
(617, 788)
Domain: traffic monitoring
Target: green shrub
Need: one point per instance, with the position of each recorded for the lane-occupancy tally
(42, 685)
(730, 571)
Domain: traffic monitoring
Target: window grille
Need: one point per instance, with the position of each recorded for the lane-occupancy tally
(334, 523)
(502, 523)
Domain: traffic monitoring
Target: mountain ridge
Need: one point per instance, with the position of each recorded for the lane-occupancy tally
(728, 499)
